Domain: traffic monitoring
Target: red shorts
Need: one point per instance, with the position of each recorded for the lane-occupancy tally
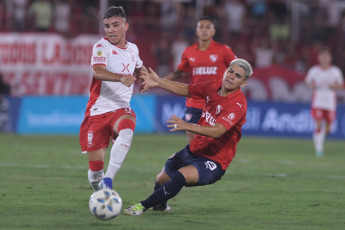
(95, 131)
(321, 114)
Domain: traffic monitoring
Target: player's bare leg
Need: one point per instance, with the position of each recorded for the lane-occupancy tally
(96, 162)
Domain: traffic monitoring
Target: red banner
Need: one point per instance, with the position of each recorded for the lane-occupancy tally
(46, 64)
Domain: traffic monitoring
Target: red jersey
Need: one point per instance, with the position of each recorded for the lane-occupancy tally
(207, 65)
(229, 111)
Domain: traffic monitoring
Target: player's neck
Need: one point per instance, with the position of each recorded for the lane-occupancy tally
(223, 92)
(203, 45)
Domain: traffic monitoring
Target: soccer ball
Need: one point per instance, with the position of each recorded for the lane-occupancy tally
(105, 204)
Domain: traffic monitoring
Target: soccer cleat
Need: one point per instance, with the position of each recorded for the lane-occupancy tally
(319, 153)
(95, 178)
(95, 183)
(164, 207)
(106, 182)
(135, 210)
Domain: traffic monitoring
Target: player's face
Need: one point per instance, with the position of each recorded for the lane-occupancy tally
(234, 78)
(205, 30)
(115, 29)
(325, 58)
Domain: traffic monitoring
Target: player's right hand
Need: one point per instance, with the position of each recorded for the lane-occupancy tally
(148, 80)
(127, 79)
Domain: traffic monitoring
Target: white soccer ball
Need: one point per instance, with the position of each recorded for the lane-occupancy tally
(105, 204)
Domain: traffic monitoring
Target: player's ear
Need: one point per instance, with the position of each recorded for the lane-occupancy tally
(126, 26)
(243, 84)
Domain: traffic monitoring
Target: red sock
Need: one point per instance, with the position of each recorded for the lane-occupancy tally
(96, 165)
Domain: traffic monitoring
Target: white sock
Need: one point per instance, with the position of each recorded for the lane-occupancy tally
(94, 175)
(319, 139)
(119, 152)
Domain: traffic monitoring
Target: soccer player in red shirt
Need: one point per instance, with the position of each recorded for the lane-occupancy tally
(217, 133)
(203, 61)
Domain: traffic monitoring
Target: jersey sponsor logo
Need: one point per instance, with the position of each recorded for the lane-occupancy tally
(240, 105)
(231, 116)
(208, 99)
(213, 57)
(114, 52)
(218, 109)
(99, 53)
(192, 59)
(210, 165)
(227, 120)
(208, 70)
(99, 45)
(99, 59)
(208, 117)
(89, 139)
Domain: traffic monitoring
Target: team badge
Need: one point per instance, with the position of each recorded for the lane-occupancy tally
(99, 53)
(231, 116)
(213, 57)
(132, 54)
(218, 109)
(188, 116)
(89, 138)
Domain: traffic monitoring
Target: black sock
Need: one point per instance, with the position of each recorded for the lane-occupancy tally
(166, 191)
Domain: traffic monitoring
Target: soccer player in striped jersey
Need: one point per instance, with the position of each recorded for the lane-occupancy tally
(115, 65)
(324, 78)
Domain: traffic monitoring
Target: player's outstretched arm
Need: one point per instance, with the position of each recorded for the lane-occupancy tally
(151, 80)
(177, 124)
(101, 73)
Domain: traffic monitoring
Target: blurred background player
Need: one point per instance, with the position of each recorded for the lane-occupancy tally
(114, 63)
(205, 60)
(217, 133)
(324, 79)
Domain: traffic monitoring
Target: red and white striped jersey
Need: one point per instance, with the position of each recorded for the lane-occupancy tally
(106, 96)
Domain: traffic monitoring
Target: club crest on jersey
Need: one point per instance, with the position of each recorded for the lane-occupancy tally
(213, 57)
(231, 116)
(218, 109)
(188, 116)
(99, 53)
(132, 54)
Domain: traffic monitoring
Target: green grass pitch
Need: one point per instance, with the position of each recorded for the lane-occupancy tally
(273, 183)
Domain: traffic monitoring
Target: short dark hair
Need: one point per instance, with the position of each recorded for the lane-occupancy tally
(114, 11)
(207, 18)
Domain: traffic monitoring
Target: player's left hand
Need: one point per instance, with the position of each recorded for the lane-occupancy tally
(128, 80)
(176, 124)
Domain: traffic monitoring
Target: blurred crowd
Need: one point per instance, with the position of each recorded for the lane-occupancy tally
(265, 32)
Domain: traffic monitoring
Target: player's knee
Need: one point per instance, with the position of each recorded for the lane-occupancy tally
(162, 178)
(126, 124)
